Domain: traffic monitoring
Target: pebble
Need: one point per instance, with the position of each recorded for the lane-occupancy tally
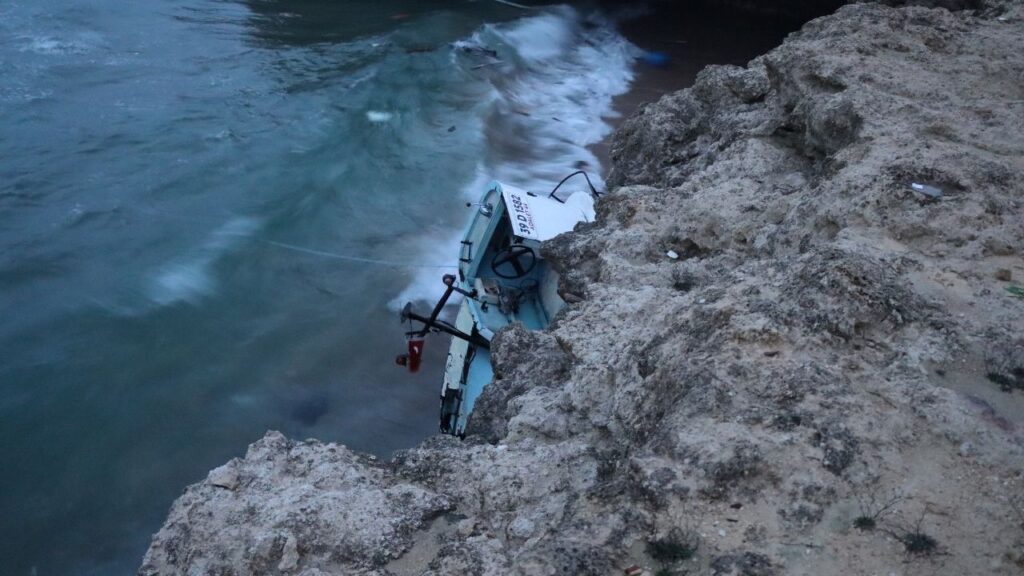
(289, 555)
(521, 528)
(466, 527)
(1004, 275)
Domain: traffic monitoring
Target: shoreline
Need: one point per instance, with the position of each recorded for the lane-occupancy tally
(691, 37)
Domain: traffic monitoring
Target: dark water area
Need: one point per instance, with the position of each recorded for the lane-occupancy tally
(692, 35)
(210, 211)
(685, 36)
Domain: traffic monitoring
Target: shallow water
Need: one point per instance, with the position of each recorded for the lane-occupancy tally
(172, 175)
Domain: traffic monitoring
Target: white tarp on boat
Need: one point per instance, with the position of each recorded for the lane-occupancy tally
(539, 218)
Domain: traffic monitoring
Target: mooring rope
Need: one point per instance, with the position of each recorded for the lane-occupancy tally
(357, 258)
(516, 5)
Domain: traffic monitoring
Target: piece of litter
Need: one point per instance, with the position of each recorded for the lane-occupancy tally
(1016, 291)
(701, 301)
(672, 254)
(926, 189)
(634, 570)
(376, 116)
(721, 532)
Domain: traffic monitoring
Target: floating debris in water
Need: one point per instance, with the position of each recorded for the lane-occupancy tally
(378, 117)
(656, 59)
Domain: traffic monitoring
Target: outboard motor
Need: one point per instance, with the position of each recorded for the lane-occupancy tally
(414, 357)
(415, 339)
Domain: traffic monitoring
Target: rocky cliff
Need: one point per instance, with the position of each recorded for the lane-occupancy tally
(794, 348)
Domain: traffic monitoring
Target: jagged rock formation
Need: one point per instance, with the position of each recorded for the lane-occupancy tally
(811, 385)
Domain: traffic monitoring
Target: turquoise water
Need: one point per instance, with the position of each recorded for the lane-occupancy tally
(156, 157)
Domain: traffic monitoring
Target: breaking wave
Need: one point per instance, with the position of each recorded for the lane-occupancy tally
(190, 277)
(551, 82)
(554, 77)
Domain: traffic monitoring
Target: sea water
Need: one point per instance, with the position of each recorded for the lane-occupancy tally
(210, 212)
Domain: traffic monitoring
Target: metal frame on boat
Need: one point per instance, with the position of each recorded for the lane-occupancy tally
(503, 278)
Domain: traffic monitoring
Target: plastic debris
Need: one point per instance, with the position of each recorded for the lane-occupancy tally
(378, 116)
(1016, 291)
(672, 254)
(926, 189)
(656, 59)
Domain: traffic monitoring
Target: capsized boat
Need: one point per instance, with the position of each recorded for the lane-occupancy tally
(503, 278)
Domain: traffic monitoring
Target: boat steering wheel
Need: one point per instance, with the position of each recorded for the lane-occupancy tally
(514, 261)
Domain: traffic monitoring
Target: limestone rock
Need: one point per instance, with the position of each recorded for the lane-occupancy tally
(225, 476)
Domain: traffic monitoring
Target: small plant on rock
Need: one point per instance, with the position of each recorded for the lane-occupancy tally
(865, 523)
(676, 546)
(915, 540)
(1008, 382)
(1005, 369)
(873, 508)
(919, 543)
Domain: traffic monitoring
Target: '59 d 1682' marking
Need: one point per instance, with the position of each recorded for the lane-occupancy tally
(522, 219)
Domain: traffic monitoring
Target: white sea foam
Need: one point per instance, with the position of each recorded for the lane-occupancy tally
(553, 77)
(190, 278)
(440, 248)
(182, 281)
(540, 38)
(78, 43)
(553, 94)
(426, 285)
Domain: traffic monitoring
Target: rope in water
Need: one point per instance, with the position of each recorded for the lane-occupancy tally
(357, 258)
(516, 5)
